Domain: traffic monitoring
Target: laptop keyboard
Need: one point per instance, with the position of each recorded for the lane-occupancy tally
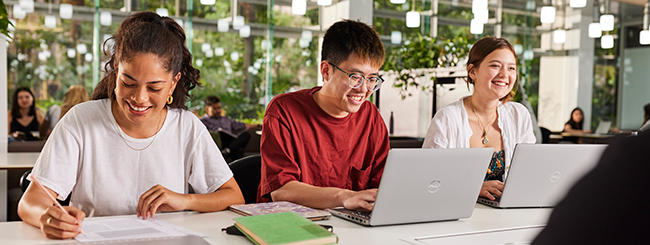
(365, 215)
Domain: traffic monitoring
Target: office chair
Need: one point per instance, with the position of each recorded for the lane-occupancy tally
(247, 173)
(546, 135)
(24, 183)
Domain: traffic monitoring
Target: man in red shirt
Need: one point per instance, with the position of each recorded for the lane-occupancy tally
(326, 146)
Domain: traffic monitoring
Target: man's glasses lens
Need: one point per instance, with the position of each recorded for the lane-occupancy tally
(356, 81)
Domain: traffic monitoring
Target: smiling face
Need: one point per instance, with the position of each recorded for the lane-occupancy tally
(141, 92)
(339, 99)
(496, 75)
(25, 100)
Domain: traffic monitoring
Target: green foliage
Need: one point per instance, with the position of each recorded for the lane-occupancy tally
(4, 19)
(425, 52)
(604, 94)
(44, 105)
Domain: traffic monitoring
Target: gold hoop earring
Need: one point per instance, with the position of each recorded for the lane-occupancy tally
(170, 99)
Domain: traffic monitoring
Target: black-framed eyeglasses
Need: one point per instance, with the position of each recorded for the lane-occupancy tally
(356, 80)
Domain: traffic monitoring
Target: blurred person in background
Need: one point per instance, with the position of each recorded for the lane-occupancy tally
(76, 94)
(24, 119)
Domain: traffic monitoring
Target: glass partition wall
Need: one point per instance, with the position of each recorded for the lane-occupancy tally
(251, 50)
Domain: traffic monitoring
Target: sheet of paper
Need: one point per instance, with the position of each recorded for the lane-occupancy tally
(130, 228)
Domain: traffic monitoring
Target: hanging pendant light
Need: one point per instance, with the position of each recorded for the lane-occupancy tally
(577, 3)
(607, 22)
(559, 36)
(238, 22)
(71, 53)
(106, 18)
(475, 27)
(65, 11)
(162, 12)
(18, 12)
(27, 6)
(396, 37)
(607, 42)
(223, 25)
(480, 10)
(644, 37)
(299, 7)
(205, 47)
(594, 30)
(245, 31)
(219, 51)
(413, 17)
(324, 2)
(81, 48)
(547, 14)
(50, 21)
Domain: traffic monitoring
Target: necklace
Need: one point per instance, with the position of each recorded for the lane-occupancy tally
(141, 149)
(480, 123)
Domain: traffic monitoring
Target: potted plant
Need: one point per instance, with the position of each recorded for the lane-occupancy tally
(4, 20)
(411, 60)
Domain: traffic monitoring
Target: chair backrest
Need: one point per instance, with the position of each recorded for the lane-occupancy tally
(546, 134)
(24, 182)
(247, 173)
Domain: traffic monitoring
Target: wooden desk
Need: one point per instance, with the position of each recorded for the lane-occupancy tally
(210, 224)
(9, 161)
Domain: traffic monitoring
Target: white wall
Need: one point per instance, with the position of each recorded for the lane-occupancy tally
(558, 90)
(3, 95)
(411, 115)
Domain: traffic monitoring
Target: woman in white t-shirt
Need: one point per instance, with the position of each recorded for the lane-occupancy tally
(486, 118)
(134, 148)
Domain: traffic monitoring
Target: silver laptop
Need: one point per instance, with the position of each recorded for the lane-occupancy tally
(541, 174)
(603, 127)
(423, 185)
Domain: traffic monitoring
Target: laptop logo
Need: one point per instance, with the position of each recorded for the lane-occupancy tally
(556, 176)
(434, 186)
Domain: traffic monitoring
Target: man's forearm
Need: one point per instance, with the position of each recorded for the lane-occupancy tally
(311, 196)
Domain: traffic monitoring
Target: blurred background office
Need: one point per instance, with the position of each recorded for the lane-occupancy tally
(577, 53)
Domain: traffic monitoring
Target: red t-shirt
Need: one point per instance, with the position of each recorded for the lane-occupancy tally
(302, 142)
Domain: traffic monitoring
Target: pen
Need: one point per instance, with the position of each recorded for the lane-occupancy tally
(38, 183)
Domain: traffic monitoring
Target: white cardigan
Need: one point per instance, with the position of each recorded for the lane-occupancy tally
(450, 128)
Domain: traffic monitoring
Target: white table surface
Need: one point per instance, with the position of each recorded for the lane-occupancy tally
(484, 218)
(12, 160)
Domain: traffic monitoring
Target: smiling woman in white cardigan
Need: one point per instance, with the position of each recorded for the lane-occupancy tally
(487, 118)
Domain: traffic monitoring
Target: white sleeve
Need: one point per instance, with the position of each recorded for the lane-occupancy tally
(58, 162)
(438, 133)
(208, 169)
(525, 129)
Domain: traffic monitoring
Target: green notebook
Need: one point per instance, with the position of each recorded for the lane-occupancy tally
(283, 228)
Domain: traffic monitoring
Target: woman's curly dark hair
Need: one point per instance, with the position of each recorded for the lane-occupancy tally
(149, 33)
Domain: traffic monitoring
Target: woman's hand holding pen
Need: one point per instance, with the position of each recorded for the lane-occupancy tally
(159, 198)
(60, 225)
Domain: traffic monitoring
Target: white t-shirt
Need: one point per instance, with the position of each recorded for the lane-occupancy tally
(450, 128)
(85, 155)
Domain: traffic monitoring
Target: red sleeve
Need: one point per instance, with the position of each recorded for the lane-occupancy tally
(381, 143)
(277, 149)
